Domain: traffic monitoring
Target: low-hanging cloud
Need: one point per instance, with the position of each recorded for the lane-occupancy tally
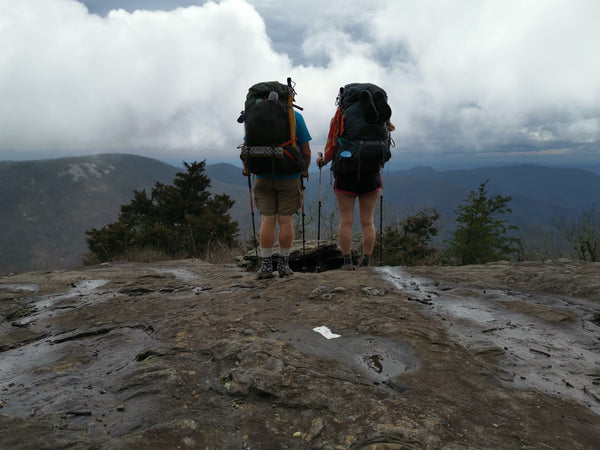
(149, 79)
(464, 76)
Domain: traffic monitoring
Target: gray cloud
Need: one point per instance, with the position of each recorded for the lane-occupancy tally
(463, 77)
(103, 7)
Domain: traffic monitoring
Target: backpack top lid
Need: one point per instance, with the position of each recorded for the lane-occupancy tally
(351, 92)
(266, 117)
(260, 91)
(356, 124)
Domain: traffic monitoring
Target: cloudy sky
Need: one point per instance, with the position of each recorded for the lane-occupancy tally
(507, 80)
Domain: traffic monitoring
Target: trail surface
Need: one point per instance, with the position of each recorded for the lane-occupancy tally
(185, 354)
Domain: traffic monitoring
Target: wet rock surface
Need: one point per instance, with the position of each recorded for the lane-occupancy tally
(185, 354)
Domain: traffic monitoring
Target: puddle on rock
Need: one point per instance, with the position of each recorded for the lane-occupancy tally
(385, 365)
(28, 287)
(44, 306)
(49, 375)
(559, 357)
(468, 312)
(181, 274)
(378, 358)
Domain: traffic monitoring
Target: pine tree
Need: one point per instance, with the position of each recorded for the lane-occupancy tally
(481, 236)
(181, 220)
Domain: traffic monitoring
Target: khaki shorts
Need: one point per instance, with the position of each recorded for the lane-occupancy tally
(275, 196)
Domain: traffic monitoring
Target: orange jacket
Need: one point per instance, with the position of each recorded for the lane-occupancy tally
(336, 129)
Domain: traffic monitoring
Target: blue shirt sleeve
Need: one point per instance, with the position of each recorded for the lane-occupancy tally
(302, 133)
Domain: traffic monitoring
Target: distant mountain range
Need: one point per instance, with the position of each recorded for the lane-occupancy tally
(540, 195)
(47, 205)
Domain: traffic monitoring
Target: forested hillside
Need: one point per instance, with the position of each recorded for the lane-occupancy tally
(47, 205)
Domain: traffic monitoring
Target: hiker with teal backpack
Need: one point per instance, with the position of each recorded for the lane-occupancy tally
(276, 151)
(358, 145)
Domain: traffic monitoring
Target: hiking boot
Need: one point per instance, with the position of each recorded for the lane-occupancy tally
(264, 274)
(284, 269)
(368, 107)
(347, 267)
(265, 271)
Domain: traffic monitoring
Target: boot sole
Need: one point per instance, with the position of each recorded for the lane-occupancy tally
(264, 276)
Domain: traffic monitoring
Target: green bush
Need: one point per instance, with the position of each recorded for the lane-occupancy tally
(408, 242)
(182, 220)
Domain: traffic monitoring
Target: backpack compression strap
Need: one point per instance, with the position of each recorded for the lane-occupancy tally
(290, 155)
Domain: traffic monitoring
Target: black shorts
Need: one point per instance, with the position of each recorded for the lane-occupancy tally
(358, 185)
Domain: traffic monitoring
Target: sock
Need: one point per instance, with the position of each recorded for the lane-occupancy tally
(347, 259)
(366, 260)
(284, 254)
(266, 264)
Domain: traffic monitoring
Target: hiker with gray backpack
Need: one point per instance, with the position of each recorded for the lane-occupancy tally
(276, 151)
(358, 146)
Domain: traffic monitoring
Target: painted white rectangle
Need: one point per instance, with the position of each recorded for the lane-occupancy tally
(326, 332)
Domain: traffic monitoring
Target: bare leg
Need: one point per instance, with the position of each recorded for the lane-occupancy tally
(267, 231)
(286, 231)
(366, 210)
(346, 209)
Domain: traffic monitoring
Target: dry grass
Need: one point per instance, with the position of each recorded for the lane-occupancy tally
(215, 253)
(221, 254)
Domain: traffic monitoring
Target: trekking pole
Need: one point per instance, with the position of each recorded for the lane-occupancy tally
(252, 211)
(303, 235)
(381, 229)
(318, 268)
(292, 120)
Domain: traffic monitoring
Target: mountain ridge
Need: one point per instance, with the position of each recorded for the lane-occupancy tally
(47, 205)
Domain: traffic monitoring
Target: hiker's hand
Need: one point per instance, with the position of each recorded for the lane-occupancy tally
(305, 174)
(320, 162)
(245, 172)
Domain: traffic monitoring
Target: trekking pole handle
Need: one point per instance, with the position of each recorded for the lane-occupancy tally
(320, 155)
(320, 171)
